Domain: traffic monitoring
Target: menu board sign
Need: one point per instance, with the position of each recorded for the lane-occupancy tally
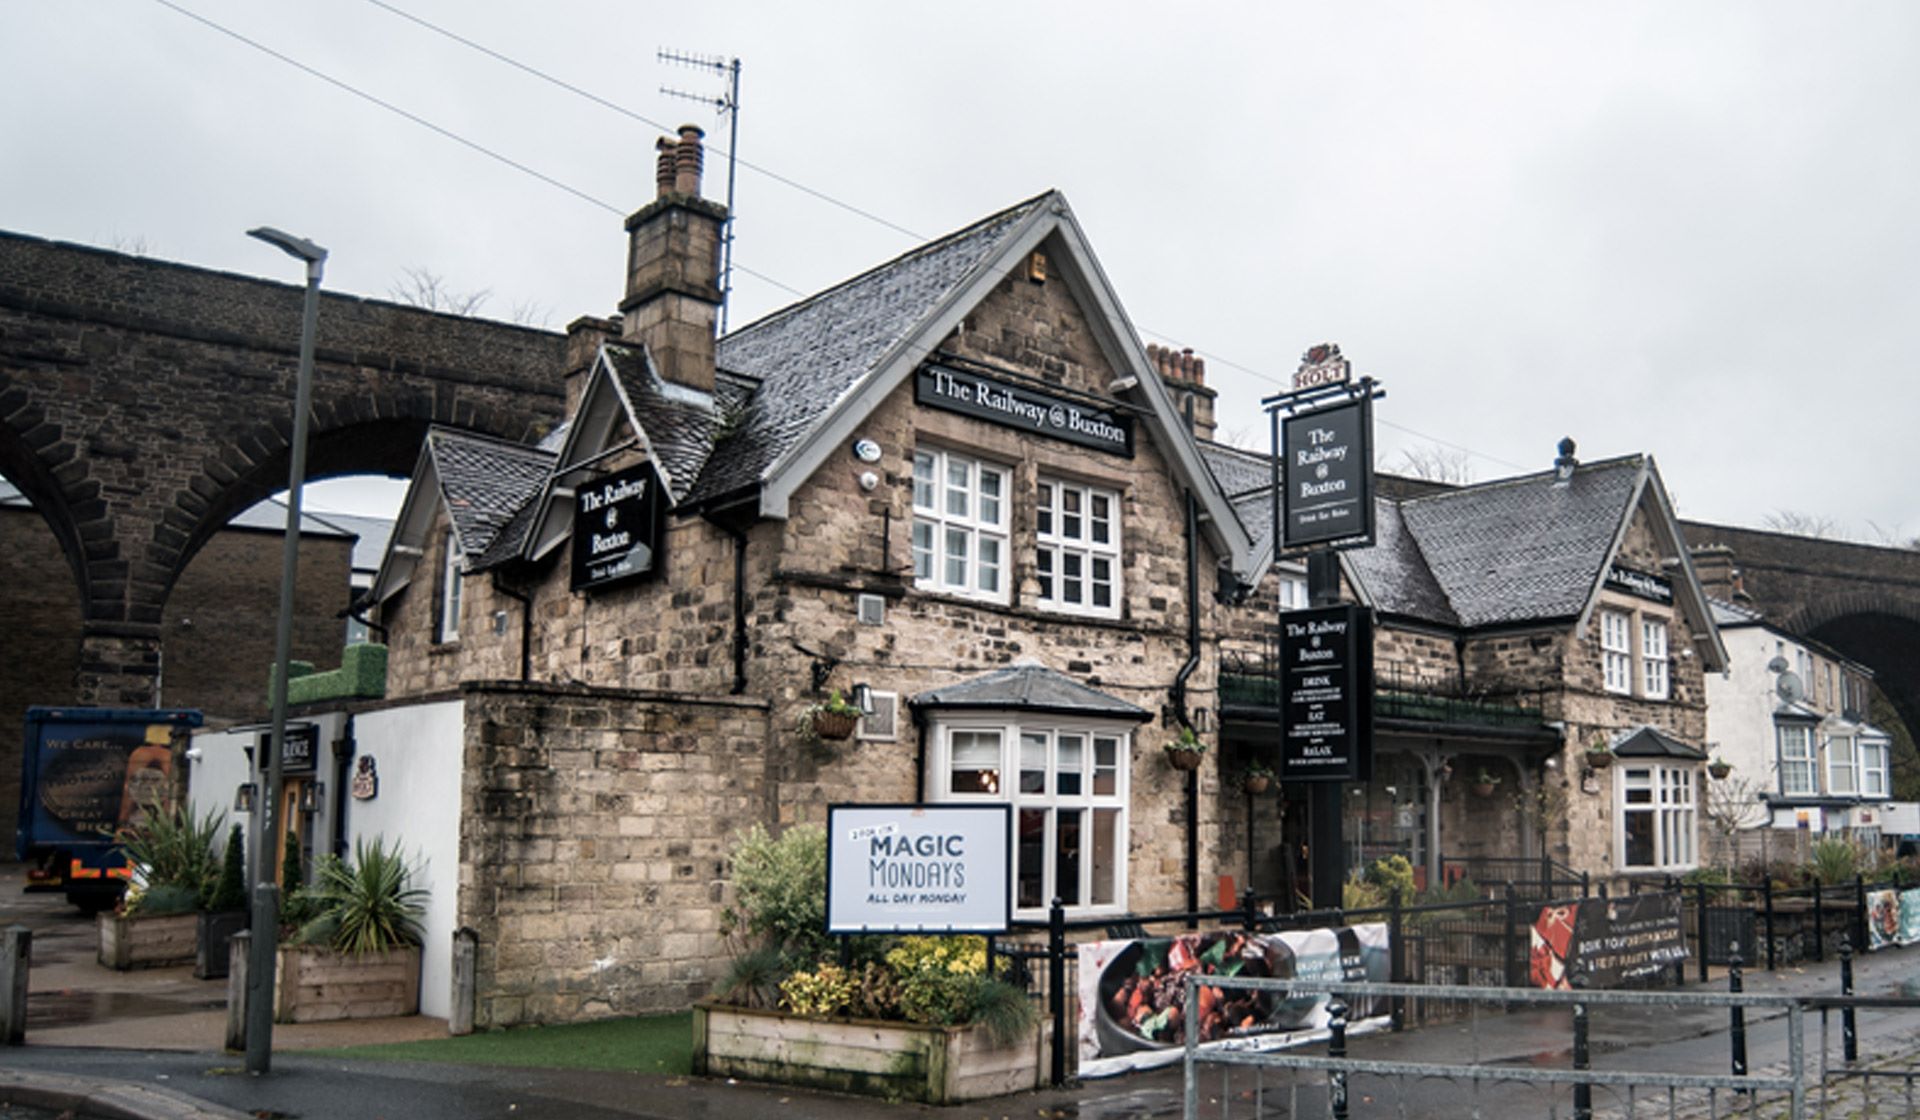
(1326, 707)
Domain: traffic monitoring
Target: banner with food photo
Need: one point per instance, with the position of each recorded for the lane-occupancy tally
(1883, 919)
(1910, 916)
(1132, 993)
(1611, 941)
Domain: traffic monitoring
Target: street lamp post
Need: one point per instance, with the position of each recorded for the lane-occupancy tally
(266, 897)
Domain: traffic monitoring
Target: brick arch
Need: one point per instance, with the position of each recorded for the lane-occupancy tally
(1879, 629)
(31, 454)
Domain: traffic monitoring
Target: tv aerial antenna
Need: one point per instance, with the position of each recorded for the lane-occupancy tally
(727, 104)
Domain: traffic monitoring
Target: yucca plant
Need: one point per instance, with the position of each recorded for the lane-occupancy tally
(173, 850)
(369, 903)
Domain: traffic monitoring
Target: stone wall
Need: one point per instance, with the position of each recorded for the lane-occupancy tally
(594, 843)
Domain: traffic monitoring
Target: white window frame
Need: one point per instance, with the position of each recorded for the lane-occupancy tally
(1654, 682)
(452, 591)
(936, 524)
(1672, 801)
(1010, 730)
(1292, 592)
(1616, 651)
(1064, 540)
(1795, 743)
(1843, 765)
(1873, 766)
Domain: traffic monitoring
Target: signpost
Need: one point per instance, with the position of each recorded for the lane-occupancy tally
(919, 868)
(1326, 664)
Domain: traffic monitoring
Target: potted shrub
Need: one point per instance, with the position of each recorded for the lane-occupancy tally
(1257, 778)
(1186, 750)
(171, 854)
(913, 1018)
(358, 956)
(223, 912)
(1719, 768)
(832, 718)
(1485, 782)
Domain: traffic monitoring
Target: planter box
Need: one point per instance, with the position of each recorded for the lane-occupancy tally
(902, 1061)
(147, 942)
(312, 984)
(210, 954)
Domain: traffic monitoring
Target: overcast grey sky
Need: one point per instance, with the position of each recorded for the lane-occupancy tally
(1682, 228)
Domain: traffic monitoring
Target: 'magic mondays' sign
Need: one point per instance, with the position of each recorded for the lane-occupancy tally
(1001, 402)
(617, 522)
(918, 868)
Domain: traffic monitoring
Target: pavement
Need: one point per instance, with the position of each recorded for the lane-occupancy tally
(147, 1045)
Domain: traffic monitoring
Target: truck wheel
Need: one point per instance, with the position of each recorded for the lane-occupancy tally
(92, 900)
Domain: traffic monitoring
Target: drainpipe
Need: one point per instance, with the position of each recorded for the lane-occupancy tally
(526, 625)
(739, 608)
(920, 768)
(1179, 691)
(343, 749)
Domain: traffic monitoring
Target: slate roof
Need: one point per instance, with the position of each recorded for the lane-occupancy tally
(1727, 614)
(484, 482)
(806, 357)
(1517, 550)
(679, 427)
(1030, 688)
(1651, 742)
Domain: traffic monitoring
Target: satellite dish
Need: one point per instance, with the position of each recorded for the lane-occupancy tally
(1789, 687)
(1777, 665)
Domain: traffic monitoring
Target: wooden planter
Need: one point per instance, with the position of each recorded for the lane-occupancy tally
(156, 942)
(900, 1061)
(1185, 760)
(314, 984)
(215, 929)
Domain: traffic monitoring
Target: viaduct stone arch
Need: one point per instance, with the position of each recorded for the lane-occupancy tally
(144, 403)
(1861, 600)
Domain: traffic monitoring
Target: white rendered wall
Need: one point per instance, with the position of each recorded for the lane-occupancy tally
(1740, 707)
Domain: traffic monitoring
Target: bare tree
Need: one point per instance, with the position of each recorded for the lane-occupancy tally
(1798, 523)
(132, 244)
(1435, 463)
(527, 313)
(423, 288)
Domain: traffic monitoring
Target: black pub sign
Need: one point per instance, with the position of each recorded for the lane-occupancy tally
(1644, 585)
(618, 522)
(1327, 476)
(299, 753)
(1326, 702)
(1017, 406)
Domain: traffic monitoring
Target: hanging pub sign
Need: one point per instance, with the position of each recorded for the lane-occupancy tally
(1642, 585)
(1326, 702)
(919, 868)
(299, 750)
(618, 522)
(1327, 473)
(1017, 406)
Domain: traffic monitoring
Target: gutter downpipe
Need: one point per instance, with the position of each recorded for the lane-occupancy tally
(739, 608)
(526, 626)
(343, 749)
(1179, 691)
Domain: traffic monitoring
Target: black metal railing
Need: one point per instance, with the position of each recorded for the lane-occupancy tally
(1250, 681)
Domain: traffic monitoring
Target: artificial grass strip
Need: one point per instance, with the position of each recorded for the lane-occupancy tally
(655, 1044)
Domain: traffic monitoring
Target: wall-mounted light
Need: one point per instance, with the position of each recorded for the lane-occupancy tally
(243, 798)
(310, 795)
(861, 697)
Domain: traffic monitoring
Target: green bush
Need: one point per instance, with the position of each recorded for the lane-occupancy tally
(370, 903)
(780, 890)
(820, 992)
(1715, 879)
(1834, 861)
(167, 898)
(1393, 875)
(230, 889)
(173, 848)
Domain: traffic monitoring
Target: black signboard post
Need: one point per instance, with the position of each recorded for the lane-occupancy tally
(1328, 472)
(1326, 716)
(618, 523)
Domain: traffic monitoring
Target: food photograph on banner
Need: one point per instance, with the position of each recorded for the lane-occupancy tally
(1132, 992)
(1610, 942)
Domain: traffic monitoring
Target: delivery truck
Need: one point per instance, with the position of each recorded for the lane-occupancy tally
(88, 773)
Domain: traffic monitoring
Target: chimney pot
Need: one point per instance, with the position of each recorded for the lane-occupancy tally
(1563, 466)
(687, 160)
(663, 172)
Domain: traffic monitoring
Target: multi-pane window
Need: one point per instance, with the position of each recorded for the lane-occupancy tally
(451, 578)
(1797, 776)
(1293, 592)
(1657, 817)
(959, 525)
(1077, 558)
(1068, 789)
(1653, 658)
(1873, 767)
(1840, 763)
(1616, 651)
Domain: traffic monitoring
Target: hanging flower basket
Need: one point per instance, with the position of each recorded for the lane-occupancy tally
(1599, 760)
(1485, 789)
(1185, 760)
(1719, 769)
(1258, 783)
(833, 725)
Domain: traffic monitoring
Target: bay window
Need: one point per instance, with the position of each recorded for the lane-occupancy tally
(959, 525)
(1841, 779)
(1797, 775)
(1657, 814)
(1068, 788)
(1873, 767)
(1077, 555)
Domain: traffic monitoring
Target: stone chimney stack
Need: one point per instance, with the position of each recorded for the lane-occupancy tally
(1719, 577)
(585, 336)
(1185, 376)
(673, 267)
